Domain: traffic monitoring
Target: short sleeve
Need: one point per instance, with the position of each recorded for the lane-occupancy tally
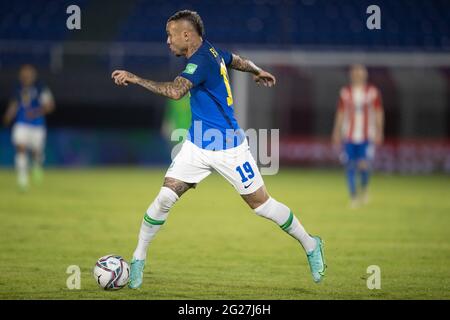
(196, 70)
(227, 56)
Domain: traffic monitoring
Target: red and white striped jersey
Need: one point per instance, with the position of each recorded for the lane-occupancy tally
(359, 105)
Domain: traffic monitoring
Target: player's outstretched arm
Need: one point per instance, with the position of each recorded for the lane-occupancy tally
(259, 75)
(174, 90)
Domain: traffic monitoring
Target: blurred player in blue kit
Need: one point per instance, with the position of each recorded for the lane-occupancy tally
(215, 140)
(27, 109)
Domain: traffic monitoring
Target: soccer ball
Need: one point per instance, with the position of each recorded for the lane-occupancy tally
(111, 272)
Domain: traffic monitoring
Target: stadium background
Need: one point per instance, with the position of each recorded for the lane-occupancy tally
(213, 246)
(97, 123)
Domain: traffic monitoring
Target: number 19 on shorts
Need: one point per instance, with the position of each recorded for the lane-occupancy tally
(245, 171)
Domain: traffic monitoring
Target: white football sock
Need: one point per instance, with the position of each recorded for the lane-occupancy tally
(154, 218)
(283, 216)
(21, 163)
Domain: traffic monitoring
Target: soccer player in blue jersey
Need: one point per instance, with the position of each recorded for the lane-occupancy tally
(215, 141)
(28, 107)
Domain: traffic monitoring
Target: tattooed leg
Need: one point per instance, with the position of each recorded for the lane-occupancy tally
(177, 186)
(154, 218)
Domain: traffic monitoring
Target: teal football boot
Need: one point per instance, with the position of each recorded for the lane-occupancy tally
(316, 260)
(136, 273)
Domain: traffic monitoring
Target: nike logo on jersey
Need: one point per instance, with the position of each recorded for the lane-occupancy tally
(248, 185)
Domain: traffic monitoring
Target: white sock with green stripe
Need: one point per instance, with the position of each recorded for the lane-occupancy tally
(154, 218)
(283, 216)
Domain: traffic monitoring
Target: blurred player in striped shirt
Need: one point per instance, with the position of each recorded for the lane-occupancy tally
(358, 128)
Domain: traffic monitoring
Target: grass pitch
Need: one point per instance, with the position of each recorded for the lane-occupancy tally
(214, 247)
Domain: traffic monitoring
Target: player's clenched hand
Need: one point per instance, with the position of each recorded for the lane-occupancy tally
(265, 78)
(122, 77)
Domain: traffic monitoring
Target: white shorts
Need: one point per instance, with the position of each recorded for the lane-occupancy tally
(32, 137)
(237, 165)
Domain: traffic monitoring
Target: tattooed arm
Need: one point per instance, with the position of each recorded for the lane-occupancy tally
(243, 64)
(174, 90)
(246, 65)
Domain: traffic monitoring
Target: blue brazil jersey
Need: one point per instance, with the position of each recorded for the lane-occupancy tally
(29, 99)
(213, 124)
